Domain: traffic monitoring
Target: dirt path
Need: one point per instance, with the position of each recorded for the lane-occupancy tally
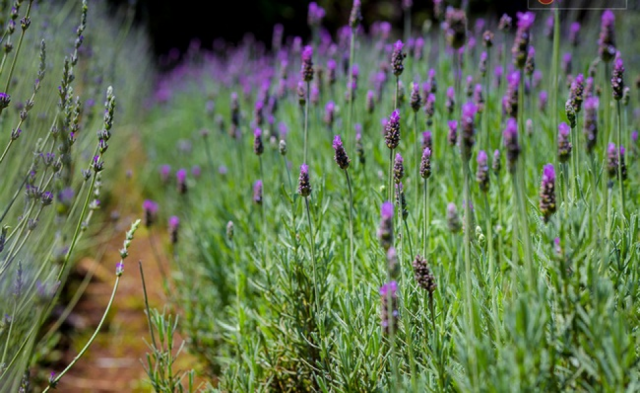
(113, 362)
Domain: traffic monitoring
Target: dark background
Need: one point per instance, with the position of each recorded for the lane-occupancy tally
(173, 24)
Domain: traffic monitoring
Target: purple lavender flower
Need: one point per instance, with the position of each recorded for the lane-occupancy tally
(315, 14)
(612, 160)
(590, 128)
(577, 93)
(307, 64)
(564, 144)
(482, 173)
(453, 219)
(304, 187)
(165, 172)
(617, 79)
(258, 146)
(574, 34)
(430, 107)
(487, 39)
(567, 63)
(181, 177)
(431, 81)
(389, 300)
(606, 40)
(542, 101)
(392, 130)
(425, 163)
(468, 127)
(340, 157)
(150, 209)
(450, 104)
(398, 168)
(385, 231)
(469, 86)
(257, 192)
(5, 99)
(548, 192)
(456, 33)
(511, 97)
(427, 140)
(482, 66)
(331, 71)
(452, 136)
(505, 23)
(510, 136)
(498, 72)
(530, 63)
(174, 224)
(416, 99)
(329, 113)
(371, 106)
(359, 146)
(521, 41)
(397, 58)
(356, 15)
(478, 97)
(258, 113)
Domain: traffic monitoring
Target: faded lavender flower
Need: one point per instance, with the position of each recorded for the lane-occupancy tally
(392, 130)
(398, 168)
(389, 294)
(165, 172)
(340, 156)
(230, 230)
(456, 33)
(567, 63)
(430, 107)
(397, 58)
(478, 98)
(617, 79)
(257, 192)
(548, 192)
(427, 140)
(590, 127)
(385, 231)
(401, 201)
(467, 123)
(329, 113)
(510, 136)
(425, 163)
(482, 66)
(304, 187)
(523, 35)
(511, 97)
(487, 39)
(423, 275)
(356, 14)
(530, 64)
(577, 93)
(542, 101)
(606, 40)
(564, 144)
(453, 219)
(370, 106)
(505, 23)
(482, 174)
(574, 34)
(431, 81)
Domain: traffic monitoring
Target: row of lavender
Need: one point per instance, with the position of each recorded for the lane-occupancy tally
(283, 287)
(58, 67)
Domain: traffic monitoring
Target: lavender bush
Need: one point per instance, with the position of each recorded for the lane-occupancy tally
(522, 280)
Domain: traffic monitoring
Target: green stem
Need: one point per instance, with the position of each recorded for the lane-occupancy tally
(620, 180)
(352, 45)
(313, 256)
(15, 57)
(88, 344)
(306, 123)
(351, 254)
(425, 228)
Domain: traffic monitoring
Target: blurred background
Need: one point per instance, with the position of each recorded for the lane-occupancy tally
(173, 25)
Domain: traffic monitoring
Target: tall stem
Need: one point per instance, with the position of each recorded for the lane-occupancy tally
(352, 45)
(467, 253)
(306, 123)
(425, 228)
(351, 262)
(620, 179)
(313, 256)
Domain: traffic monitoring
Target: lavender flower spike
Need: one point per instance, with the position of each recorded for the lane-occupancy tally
(548, 192)
(468, 127)
(257, 192)
(392, 130)
(258, 146)
(482, 174)
(497, 162)
(511, 145)
(416, 99)
(307, 64)
(340, 157)
(590, 128)
(606, 40)
(356, 14)
(397, 58)
(174, 224)
(385, 231)
(425, 163)
(453, 219)
(617, 79)
(456, 33)
(150, 211)
(423, 275)
(398, 168)
(452, 137)
(523, 36)
(181, 177)
(304, 188)
(564, 144)
(389, 293)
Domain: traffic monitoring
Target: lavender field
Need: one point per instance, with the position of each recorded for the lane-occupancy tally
(448, 207)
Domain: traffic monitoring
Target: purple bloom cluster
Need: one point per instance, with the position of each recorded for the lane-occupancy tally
(606, 40)
(521, 41)
(385, 231)
(617, 79)
(389, 301)
(590, 128)
(564, 144)
(340, 157)
(510, 136)
(397, 58)
(304, 187)
(392, 130)
(548, 192)
(482, 173)
(425, 163)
